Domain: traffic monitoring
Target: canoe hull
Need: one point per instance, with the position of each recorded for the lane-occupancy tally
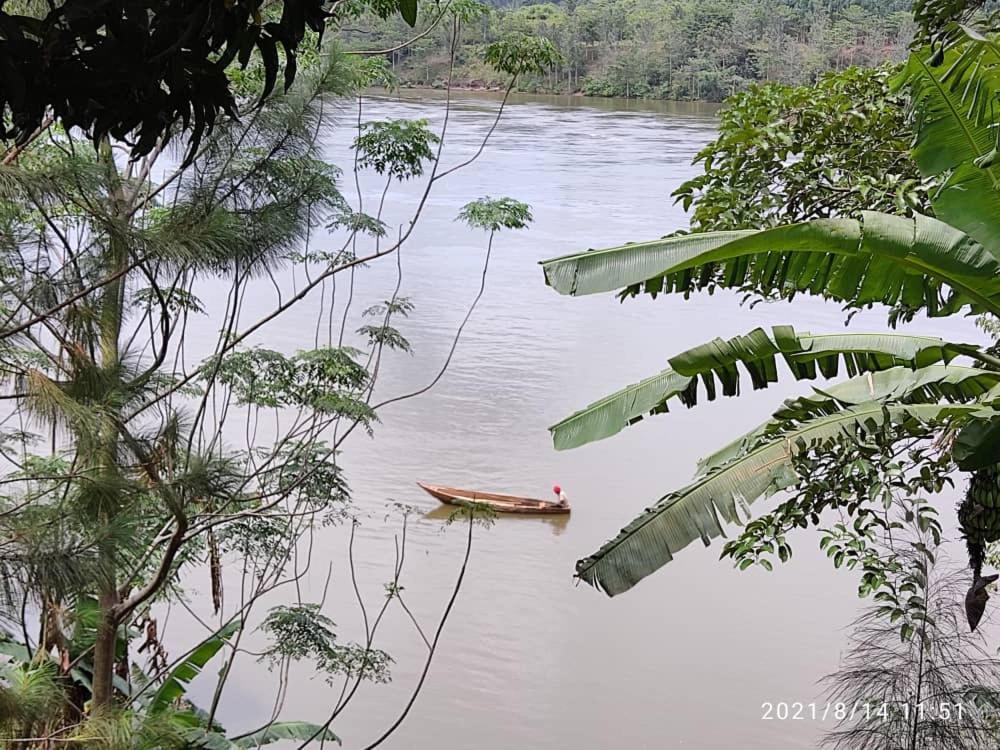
(500, 503)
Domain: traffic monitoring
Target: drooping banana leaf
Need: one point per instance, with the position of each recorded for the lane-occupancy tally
(914, 263)
(286, 730)
(201, 739)
(927, 385)
(10, 647)
(954, 96)
(699, 510)
(175, 684)
(198, 737)
(977, 445)
(637, 265)
(715, 363)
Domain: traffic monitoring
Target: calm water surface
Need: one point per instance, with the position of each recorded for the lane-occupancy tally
(528, 658)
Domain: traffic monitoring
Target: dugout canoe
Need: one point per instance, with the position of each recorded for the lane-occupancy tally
(500, 503)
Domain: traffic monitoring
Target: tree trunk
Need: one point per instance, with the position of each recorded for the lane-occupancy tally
(104, 649)
(106, 454)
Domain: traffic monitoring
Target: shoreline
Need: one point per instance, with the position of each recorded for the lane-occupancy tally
(471, 87)
(483, 93)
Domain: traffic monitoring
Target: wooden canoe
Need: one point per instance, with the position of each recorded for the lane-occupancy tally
(499, 503)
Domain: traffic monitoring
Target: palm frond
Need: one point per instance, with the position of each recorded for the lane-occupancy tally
(29, 694)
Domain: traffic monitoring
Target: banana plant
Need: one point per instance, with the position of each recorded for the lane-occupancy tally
(30, 692)
(939, 266)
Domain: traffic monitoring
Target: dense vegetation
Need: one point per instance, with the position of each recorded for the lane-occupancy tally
(872, 189)
(133, 69)
(147, 446)
(664, 49)
(132, 462)
(861, 194)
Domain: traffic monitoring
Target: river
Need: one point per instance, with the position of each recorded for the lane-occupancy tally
(528, 659)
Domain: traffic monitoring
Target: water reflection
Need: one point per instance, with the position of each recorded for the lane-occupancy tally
(556, 523)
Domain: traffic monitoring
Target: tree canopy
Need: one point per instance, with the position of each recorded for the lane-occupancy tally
(132, 70)
(663, 49)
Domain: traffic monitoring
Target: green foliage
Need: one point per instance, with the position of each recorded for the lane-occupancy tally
(90, 65)
(177, 300)
(175, 684)
(862, 476)
(286, 730)
(300, 632)
(398, 148)
(494, 214)
(30, 697)
(937, 18)
(762, 465)
(794, 153)
(376, 71)
(258, 539)
(307, 472)
(395, 306)
(469, 11)
(325, 379)
(381, 334)
(977, 445)
(122, 481)
(357, 222)
(128, 730)
(909, 264)
(954, 115)
(481, 514)
(912, 642)
(517, 54)
(665, 49)
(718, 363)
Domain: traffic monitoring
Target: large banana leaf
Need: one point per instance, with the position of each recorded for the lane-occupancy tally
(198, 737)
(176, 682)
(757, 352)
(977, 446)
(926, 385)
(286, 730)
(698, 510)
(914, 263)
(954, 96)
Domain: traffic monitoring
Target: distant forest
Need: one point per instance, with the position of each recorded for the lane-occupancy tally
(661, 49)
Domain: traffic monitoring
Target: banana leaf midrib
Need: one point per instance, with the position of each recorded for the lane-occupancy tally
(839, 393)
(812, 350)
(958, 286)
(593, 253)
(610, 398)
(851, 243)
(855, 415)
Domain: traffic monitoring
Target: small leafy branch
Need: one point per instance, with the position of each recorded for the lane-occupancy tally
(300, 632)
(397, 148)
(494, 214)
(913, 676)
(383, 335)
(517, 54)
(878, 482)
